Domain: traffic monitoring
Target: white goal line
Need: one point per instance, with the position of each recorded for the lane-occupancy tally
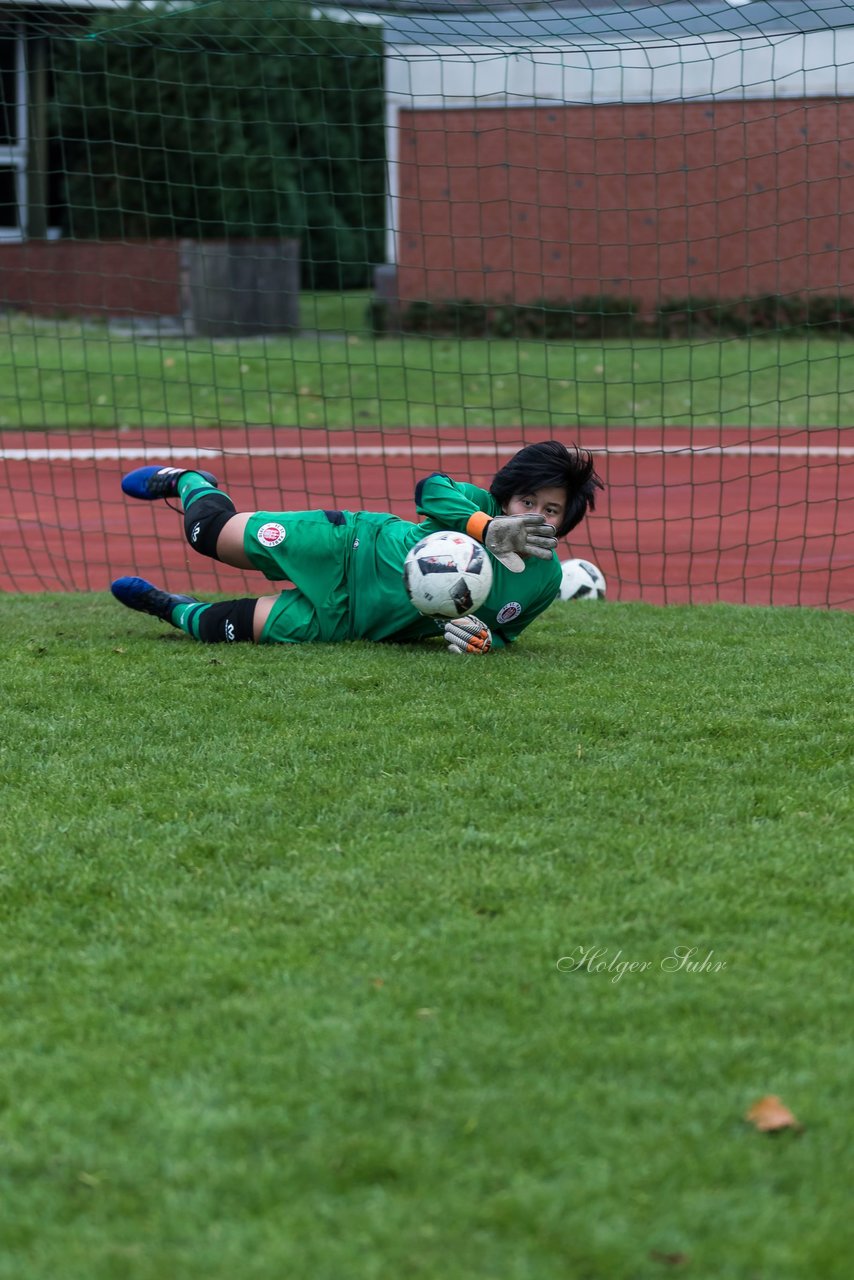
(355, 452)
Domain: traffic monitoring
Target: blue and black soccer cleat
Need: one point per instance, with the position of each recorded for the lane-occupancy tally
(143, 596)
(149, 483)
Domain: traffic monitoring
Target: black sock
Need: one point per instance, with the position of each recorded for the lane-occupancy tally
(228, 622)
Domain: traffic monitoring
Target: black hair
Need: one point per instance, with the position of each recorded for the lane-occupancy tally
(547, 465)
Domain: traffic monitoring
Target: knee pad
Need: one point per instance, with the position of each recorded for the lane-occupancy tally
(204, 520)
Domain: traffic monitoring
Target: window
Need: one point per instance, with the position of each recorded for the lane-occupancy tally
(13, 127)
(9, 217)
(8, 90)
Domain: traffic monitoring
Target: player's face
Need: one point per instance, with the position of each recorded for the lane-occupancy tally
(550, 502)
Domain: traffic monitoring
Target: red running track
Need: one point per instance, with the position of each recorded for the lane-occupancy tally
(757, 517)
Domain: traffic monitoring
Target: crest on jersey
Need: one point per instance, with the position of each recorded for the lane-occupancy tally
(508, 612)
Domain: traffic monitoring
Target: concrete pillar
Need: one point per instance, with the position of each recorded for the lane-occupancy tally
(241, 287)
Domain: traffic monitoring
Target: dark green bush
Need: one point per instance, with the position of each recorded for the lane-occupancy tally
(227, 119)
(603, 316)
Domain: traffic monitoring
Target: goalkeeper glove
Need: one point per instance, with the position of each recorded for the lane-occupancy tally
(467, 635)
(509, 538)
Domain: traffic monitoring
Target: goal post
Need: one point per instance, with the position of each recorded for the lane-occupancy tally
(325, 251)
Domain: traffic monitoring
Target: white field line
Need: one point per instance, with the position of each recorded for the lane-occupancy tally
(355, 452)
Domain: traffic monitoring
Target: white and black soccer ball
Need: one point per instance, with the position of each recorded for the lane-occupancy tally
(581, 580)
(447, 575)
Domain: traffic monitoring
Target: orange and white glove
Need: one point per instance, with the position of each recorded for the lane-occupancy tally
(510, 538)
(467, 635)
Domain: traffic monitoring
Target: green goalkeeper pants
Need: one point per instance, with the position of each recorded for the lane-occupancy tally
(311, 549)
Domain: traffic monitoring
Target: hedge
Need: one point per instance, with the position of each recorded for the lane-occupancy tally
(604, 316)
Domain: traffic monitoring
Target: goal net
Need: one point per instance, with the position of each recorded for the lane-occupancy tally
(323, 252)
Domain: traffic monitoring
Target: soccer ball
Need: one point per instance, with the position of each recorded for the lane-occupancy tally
(581, 580)
(447, 575)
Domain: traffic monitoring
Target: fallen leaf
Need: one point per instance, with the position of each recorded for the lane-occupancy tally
(769, 1115)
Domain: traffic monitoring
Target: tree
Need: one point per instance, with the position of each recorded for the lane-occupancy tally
(227, 119)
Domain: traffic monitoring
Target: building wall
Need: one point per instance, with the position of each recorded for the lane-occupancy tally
(646, 200)
(95, 278)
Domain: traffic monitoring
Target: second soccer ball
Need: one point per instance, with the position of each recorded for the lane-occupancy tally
(447, 575)
(581, 580)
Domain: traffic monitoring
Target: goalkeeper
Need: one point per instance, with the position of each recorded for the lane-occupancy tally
(347, 567)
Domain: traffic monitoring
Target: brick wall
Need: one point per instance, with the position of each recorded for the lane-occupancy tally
(128, 278)
(652, 201)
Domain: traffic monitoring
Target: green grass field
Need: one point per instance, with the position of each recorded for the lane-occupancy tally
(280, 980)
(62, 374)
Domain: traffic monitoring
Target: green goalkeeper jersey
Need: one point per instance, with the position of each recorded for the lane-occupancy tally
(379, 606)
